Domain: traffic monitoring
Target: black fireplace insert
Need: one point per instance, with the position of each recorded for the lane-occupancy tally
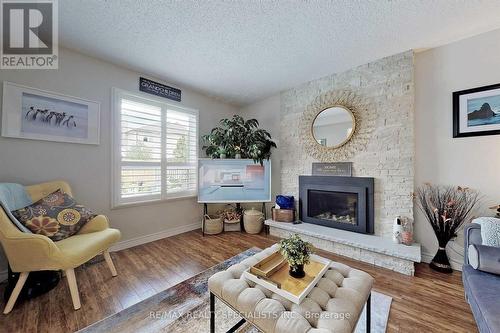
(337, 202)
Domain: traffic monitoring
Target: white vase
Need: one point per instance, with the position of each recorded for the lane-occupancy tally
(397, 229)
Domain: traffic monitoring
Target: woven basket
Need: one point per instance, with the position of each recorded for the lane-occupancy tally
(232, 225)
(283, 215)
(213, 224)
(253, 221)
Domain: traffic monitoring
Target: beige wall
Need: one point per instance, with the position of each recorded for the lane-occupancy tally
(441, 159)
(267, 112)
(86, 167)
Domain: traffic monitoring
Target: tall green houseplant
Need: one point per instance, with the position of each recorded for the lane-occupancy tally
(239, 136)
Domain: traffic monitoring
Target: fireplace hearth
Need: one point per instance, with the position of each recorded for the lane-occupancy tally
(337, 202)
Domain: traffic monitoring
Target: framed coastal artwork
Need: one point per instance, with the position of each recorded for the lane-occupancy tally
(31, 113)
(476, 111)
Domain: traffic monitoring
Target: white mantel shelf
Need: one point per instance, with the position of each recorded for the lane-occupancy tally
(371, 243)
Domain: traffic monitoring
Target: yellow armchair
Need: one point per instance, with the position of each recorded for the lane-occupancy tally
(31, 252)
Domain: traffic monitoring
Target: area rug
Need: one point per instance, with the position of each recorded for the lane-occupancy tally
(185, 308)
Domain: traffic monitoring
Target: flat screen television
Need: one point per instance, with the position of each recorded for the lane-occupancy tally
(233, 181)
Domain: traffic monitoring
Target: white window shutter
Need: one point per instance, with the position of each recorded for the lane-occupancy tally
(181, 152)
(157, 153)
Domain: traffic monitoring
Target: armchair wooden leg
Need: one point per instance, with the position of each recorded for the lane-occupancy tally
(15, 293)
(109, 261)
(73, 288)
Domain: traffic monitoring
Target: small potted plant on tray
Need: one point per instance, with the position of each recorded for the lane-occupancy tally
(297, 253)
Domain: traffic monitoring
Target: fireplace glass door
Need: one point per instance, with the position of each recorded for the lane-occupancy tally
(332, 206)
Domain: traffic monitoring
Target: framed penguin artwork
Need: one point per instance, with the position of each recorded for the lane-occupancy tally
(30, 113)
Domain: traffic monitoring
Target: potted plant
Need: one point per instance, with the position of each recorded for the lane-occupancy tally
(237, 152)
(446, 208)
(231, 215)
(297, 253)
(222, 152)
(240, 138)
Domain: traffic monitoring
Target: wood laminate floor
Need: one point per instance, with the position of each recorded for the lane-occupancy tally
(428, 302)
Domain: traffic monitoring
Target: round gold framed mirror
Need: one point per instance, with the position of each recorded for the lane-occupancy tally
(331, 109)
(333, 126)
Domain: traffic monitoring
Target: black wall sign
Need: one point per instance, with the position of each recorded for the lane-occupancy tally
(332, 169)
(159, 89)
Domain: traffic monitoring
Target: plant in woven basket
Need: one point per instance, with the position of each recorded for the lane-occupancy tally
(231, 214)
(446, 208)
(237, 137)
(297, 253)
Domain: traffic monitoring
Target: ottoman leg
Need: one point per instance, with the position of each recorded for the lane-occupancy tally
(212, 313)
(238, 325)
(368, 313)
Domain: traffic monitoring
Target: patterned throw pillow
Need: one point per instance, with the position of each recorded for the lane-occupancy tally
(490, 230)
(56, 216)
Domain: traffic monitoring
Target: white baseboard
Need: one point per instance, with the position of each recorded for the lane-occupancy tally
(139, 240)
(153, 237)
(455, 264)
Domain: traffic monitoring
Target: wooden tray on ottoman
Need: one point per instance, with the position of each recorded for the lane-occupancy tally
(269, 265)
(272, 274)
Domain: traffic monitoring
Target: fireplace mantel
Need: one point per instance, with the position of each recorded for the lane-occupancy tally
(372, 249)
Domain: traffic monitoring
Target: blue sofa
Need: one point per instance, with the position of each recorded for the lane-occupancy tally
(482, 290)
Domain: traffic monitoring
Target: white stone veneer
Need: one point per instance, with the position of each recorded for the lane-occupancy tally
(387, 85)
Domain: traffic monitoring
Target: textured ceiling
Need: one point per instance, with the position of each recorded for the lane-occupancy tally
(243, 51)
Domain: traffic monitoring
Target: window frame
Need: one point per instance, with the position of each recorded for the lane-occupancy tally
(116, 159)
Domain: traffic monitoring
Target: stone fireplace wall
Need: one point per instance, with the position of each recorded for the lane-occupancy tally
(388, 85)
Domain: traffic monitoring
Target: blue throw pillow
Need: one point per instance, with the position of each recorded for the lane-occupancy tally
(12, 219)
(14, 196)
(285, 201)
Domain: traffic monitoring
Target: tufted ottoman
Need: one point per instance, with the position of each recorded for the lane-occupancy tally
(334, 305)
